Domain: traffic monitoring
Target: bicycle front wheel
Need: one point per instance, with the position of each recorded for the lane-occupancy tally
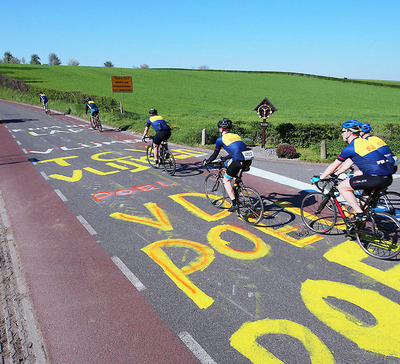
(379, 236)
(150, 156)
(169, 162)
(390, 203)
(251, 205)
(214, 189)
(318, 212)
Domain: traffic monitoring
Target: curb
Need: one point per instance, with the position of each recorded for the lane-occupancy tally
(20, 338)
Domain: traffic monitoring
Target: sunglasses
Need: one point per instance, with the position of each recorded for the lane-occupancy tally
(343, 131)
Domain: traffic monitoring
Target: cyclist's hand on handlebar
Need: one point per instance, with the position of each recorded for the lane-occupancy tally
(315, 179)
(144, 138)
(205, 162)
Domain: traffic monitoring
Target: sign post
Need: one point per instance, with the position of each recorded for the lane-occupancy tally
(121, 84)
(264, 110)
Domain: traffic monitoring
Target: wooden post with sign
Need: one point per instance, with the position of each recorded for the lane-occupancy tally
(121, 84)
(264, 110)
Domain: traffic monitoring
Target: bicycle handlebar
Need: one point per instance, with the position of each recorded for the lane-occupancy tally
(217, 163)
(149, 137)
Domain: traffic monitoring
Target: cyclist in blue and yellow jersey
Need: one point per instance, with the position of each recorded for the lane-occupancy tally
(376, 169)
(163, 131)
(239, 157)
(94, 110)
(43, 98)
(379, 144)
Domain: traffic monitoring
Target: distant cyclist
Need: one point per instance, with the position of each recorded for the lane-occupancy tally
(163, 131)
(43, 98)
(376, 169)
(94, 110)
(239, 157)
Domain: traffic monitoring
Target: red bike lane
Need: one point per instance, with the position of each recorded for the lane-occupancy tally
(86, 309)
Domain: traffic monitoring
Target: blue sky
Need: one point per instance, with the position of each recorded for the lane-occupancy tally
(353, 38)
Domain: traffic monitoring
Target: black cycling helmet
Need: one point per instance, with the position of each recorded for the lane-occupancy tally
(225, 124)
(353, 125)
(88, 99)
(366, 127)
(153, 112)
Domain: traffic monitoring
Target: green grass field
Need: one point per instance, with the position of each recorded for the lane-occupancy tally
(203, 97)
(191, 100)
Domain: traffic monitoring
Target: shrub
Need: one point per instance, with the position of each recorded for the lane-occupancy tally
(286, 151)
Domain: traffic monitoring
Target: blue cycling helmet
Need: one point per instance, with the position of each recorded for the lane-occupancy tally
(352, 125)
(366, 127)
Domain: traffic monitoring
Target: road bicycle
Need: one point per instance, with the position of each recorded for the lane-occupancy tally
(46, 108)
(250, 203)
(378, 236)
(165, 157)
(96, 123)
(389, 201)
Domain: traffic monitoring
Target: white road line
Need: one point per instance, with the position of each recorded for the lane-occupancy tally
(128, 274)
(195, 348)
(18, 142)
(86, 225)
(25, 151)
(281, 179)
(44, 175)
(60, 194)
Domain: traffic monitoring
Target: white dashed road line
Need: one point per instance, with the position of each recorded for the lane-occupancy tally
(128, 274)
(86, 225)
(195, 348)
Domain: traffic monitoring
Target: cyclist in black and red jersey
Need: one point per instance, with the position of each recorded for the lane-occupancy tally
(163, 131)
(239, 157)
(376, 169)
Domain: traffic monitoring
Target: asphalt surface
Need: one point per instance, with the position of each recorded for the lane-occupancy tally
(125, 264)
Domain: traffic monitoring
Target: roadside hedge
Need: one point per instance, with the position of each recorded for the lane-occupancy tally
(73, 97)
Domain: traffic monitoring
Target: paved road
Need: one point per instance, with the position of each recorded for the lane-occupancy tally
(126, 264)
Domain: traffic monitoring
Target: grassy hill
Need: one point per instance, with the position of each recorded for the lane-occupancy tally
(206, 96)
(191, 99)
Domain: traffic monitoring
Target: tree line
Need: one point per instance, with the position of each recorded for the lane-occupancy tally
(54, 60)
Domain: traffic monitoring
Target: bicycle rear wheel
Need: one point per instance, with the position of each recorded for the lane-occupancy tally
(390, 203)
(251, 205)
(93, 123)
(169, 162)
(98, 124)
(379, 236)
(318, 212)
(150, 156)
(214, 189)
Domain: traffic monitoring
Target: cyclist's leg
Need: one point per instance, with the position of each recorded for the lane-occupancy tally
(233, 169)
(347, 191)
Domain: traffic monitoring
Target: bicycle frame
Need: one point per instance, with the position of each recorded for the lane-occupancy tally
(366, 204)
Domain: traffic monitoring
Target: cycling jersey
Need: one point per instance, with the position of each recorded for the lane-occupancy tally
(234, 146)
(366, 157)
(92, 106)
(44, 98)
(158, 123)
(384, 149)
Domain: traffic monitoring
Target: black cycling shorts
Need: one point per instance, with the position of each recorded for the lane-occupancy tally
(160, 136)
(235, 167)
(367, 182)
